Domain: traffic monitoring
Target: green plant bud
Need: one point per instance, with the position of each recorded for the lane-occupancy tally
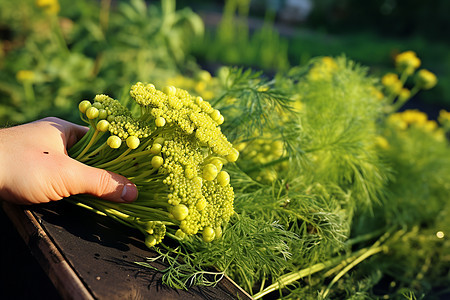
(425, 79)
(218, 163)
(208, 234)
(209, 172)
(110, 118)
(215, 115)
(103, 125)
(189, 173)
(198, 100)
(114, 141)
(160, 122)
(220, 120)
(233, 156)
(97, 105)
(201, 204)
(157, 161)
(84, 105)
(180, 234)
(218, 231)
(223, 178)
(198, 181)
(159, 140)
(150, 241)
(133, 142)
(156, 148)
(92, 113)
(102, 114)
(180, 212)
(169, 90)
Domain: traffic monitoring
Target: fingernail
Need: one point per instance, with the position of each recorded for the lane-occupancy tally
(129, 192)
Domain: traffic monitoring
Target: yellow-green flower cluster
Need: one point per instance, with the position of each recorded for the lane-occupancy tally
(51, 7)
(323, 69)
(174, 151)
(444, 119)
(416, 119)
(202, 84)
(392, 83)
(395, 90)
(155, 230)
(407, 62)
(261, 152)
(425, 79)
(25, 76)
(177, 107)
(444, 116)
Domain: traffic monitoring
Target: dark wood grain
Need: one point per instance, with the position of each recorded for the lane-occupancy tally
(90, 256)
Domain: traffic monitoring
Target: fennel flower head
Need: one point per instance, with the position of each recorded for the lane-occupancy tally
(426, 79)
(407, 62)
(174, 152)
(392, 83)
(51, 7)
(25, 75)
(413, 118)
(444, 116)
(323, 68)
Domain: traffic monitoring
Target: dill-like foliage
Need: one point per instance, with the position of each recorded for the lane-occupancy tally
(330, 194)
(249, 102)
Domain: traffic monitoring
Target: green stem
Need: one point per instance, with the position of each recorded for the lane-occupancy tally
(142, 175)
(364, 256)
(97, 150)
(294, 276)
(81, 144)
(91, 142)
(360, 255)
(58, 35)
(116, 160)
(104, 15)
(397, 105)
(29, 92)
(364, 237)
(138, 210)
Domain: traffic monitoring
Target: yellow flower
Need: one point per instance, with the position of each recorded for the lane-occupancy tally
(425, 79)
(430, 125)
(407, 62)
(392, 83)
(25, 75)
(397, 121)
(381, 142)
(204, 76)
(51, 7)
(404, 94)
(444, 116)
(414, 116)
(329, 63)
(323, 69)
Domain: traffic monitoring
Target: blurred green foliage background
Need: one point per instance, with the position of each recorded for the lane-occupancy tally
(87, 46)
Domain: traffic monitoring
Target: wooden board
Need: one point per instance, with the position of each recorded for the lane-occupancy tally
(88, 256)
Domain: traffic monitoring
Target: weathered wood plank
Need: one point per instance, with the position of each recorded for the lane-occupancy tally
(88, 256)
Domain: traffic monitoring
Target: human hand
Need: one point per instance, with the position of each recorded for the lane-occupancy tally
(35, 167)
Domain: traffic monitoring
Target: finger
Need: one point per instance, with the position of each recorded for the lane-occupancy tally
(71, 132)
(101, 183)
(76, 132)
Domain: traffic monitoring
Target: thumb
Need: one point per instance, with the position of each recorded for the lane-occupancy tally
(101, 183)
